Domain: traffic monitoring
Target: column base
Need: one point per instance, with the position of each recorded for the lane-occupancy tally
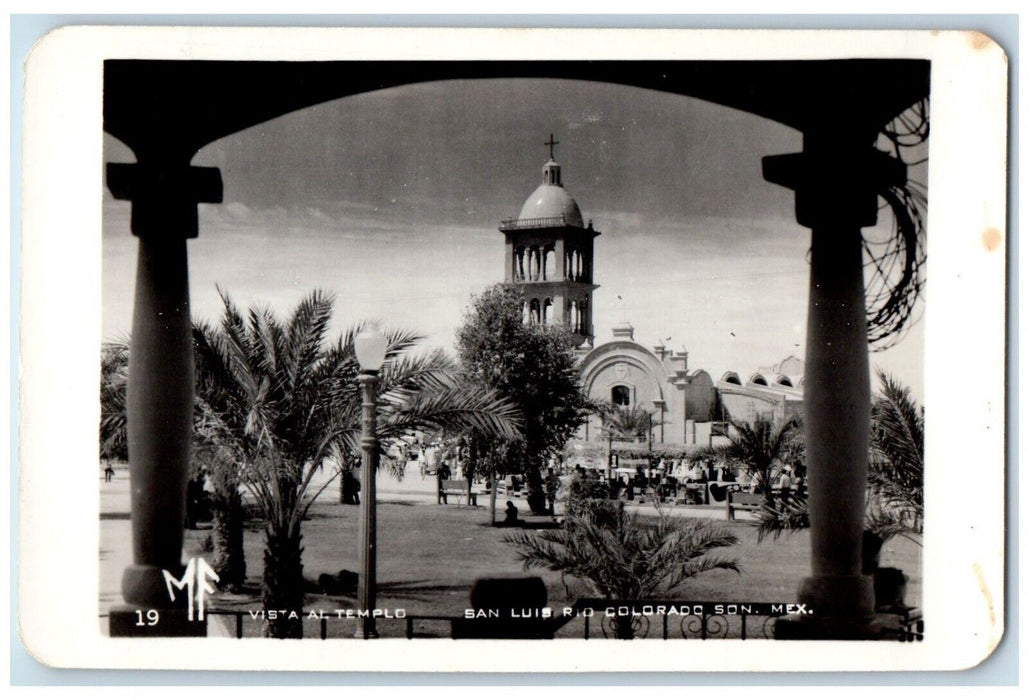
(143, 586)
(837, 607)
(133, 621)
(361, 634)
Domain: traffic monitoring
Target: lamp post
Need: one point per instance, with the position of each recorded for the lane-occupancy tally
(610, 452)
(370, 348)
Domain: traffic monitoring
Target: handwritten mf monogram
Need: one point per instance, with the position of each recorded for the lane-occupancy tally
(196, 581)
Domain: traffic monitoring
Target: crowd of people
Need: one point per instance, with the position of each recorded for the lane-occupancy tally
(679, 479)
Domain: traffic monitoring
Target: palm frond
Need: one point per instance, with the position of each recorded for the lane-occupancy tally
(782, 515)
(449, 409)
(625, 557)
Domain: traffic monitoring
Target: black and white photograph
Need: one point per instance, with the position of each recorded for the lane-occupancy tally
(513, 338)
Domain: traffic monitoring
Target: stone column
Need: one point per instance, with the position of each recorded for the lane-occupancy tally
(509, 261)
(560, 308)
(159, 400)
(836, 186)
(560, 264)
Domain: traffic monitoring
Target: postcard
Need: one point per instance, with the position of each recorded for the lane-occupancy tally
(343, 347)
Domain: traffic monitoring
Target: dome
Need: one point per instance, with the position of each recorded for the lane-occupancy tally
(552, 201)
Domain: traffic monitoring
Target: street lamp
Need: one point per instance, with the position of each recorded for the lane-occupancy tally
(370, 348)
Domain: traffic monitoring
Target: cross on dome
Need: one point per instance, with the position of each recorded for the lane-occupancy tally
(551, 143)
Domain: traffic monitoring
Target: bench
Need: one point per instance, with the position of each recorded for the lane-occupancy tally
(739, 500)
(505, 490)
(694, 493)
(456, 487)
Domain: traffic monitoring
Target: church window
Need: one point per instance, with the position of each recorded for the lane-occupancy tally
(621, 396)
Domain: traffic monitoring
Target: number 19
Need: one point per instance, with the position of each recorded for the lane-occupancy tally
(152, 616)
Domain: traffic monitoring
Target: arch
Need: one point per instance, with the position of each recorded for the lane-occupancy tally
(758, 378)
(604, 357)
(519, 271)
(548, 313)
(783, 380)
(140, 95)
(534, 311)
(731, 378)
(548, 262)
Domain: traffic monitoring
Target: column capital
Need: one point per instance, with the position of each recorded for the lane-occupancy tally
(835, 185)
(164, 196)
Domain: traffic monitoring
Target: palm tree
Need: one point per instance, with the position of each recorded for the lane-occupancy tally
(759, 446)
(222, 446)
(896, 464)
(290, 406)
(114, 372)
(208, 457)
(618, 556)
(623, 423)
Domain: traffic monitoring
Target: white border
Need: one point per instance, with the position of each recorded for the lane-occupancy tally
(59, 526)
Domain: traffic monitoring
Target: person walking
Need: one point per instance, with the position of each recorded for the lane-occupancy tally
(551, 484)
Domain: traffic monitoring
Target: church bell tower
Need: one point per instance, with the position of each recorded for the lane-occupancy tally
(549, 256)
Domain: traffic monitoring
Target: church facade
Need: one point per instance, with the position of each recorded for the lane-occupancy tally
(549, 257)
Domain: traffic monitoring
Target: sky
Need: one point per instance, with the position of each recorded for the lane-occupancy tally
(391, 200)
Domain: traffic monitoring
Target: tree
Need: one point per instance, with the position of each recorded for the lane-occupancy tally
(221, 411)
(208, 457)
(289, 406)
(896, 467)
(759, 446)
(623, 423)
(619, 556)
(114, 373)
(534, 367)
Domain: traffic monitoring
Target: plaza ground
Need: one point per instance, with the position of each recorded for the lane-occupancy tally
(429, 555)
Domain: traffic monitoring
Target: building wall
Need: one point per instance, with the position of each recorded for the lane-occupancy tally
(683, 402)
(748, 403)
(701, 398)
(686, 403)
(628, 364)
